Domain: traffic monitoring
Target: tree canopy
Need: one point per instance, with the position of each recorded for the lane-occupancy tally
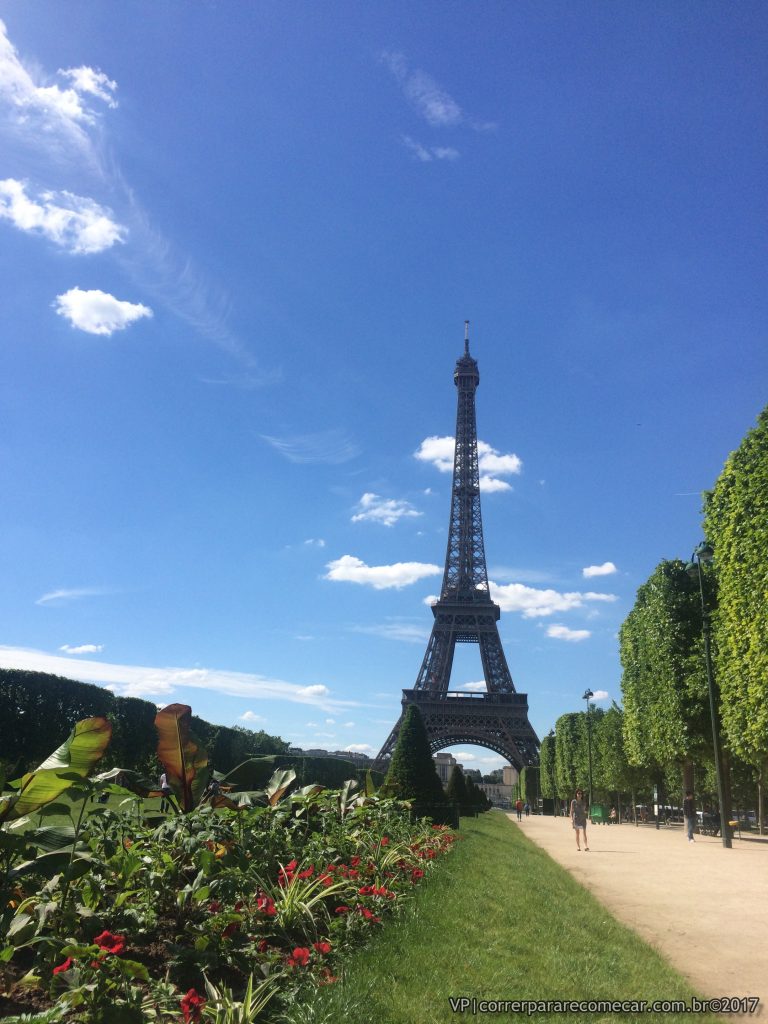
(412, 774)
(736, 524)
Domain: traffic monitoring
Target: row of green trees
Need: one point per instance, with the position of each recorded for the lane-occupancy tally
(663, 736)
(36, 708)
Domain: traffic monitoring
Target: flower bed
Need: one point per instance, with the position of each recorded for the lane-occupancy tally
(177, 920)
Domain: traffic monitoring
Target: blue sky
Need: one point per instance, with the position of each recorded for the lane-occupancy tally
(237, 247)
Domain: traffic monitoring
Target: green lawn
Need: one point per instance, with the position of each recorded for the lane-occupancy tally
(499, 920)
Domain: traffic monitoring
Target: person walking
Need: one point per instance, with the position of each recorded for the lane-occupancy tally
(519, 809)
(527, 809)
(579, 817)
(689, 814)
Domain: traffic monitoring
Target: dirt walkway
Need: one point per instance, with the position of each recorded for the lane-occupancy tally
(703, 907)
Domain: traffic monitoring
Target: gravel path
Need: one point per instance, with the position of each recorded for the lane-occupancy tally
(703, 907)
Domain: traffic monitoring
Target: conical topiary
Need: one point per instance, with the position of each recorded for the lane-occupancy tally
(456, 790)
(412, 774)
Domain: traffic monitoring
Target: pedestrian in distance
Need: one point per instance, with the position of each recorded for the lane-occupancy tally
(519, 809)
(689, 814)
(527, 809)
(167, 801)
(579, 817)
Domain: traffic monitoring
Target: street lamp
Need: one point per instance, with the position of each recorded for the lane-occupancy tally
(705, 553)
(588, 695)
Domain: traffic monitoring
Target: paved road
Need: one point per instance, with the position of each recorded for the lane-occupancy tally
(704, 907)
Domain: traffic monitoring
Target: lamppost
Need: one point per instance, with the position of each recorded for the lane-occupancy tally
(705, 553)
(588, 695)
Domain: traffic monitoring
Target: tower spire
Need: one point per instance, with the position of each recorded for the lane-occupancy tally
(466, 337)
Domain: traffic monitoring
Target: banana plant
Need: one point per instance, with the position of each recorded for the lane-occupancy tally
(70, 764)
(184, 760)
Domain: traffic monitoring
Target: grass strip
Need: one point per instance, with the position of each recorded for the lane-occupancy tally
(498, 920)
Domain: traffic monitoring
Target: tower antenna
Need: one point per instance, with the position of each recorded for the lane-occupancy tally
(466, 337)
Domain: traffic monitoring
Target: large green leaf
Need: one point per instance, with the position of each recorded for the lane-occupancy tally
(71, 763)
(185, 763)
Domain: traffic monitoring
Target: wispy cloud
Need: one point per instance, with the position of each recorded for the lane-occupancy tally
(98, 312)
(359, 748)
(476, 687)
(72, 594)
(331, 446)
(606, 569)
(433, 103)
(82, 648)
(426, 154)
(142, 681)
(74, 223)
(564, 633)
(387, 511)
(533, 603)
(350, 569)
(439, 451)
(50, 116)
(405, 631)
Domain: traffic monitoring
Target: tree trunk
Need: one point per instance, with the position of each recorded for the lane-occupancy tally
(634, 807)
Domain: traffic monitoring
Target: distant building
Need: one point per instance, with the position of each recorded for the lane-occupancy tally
(473, 773)
(444, 765)
(499, 794)
(510, 775)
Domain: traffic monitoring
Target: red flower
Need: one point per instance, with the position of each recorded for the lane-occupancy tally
(327, 978)
(192, 1006)
(342, 910)
(322, 947)
(265, 904)
(354, 861)
(263, 946)
(110, 943)
(416, 874)
(63, 967)
(299, 957)
(230, 930)
(326, 880)
(369, 915)
(308, 873)
(385, 840)
(214, 906)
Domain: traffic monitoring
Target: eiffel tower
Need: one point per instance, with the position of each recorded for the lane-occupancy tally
(465, 614)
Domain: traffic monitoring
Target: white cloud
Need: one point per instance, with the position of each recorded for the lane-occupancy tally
(72, 222)
(98, 312)
(386, 511)
(491, 463)
(93, 81)
(422, 91)
(350, 569)
(251, 716)
(431, 599)
(516, 597)
(71, 594)
(53, 118)
(426, 154)
(360, 748)
(606, 569)
(331, 446)
(315, 542)
(313, 693)
(82, 649)
(564, 633)
(348, 725)
(477, 687)
(140, 681)
(330, 721)
(600, 695)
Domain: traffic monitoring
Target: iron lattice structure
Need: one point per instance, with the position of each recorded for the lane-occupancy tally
(465, 613)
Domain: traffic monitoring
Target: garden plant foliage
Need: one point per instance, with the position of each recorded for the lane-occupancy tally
(221, 914)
